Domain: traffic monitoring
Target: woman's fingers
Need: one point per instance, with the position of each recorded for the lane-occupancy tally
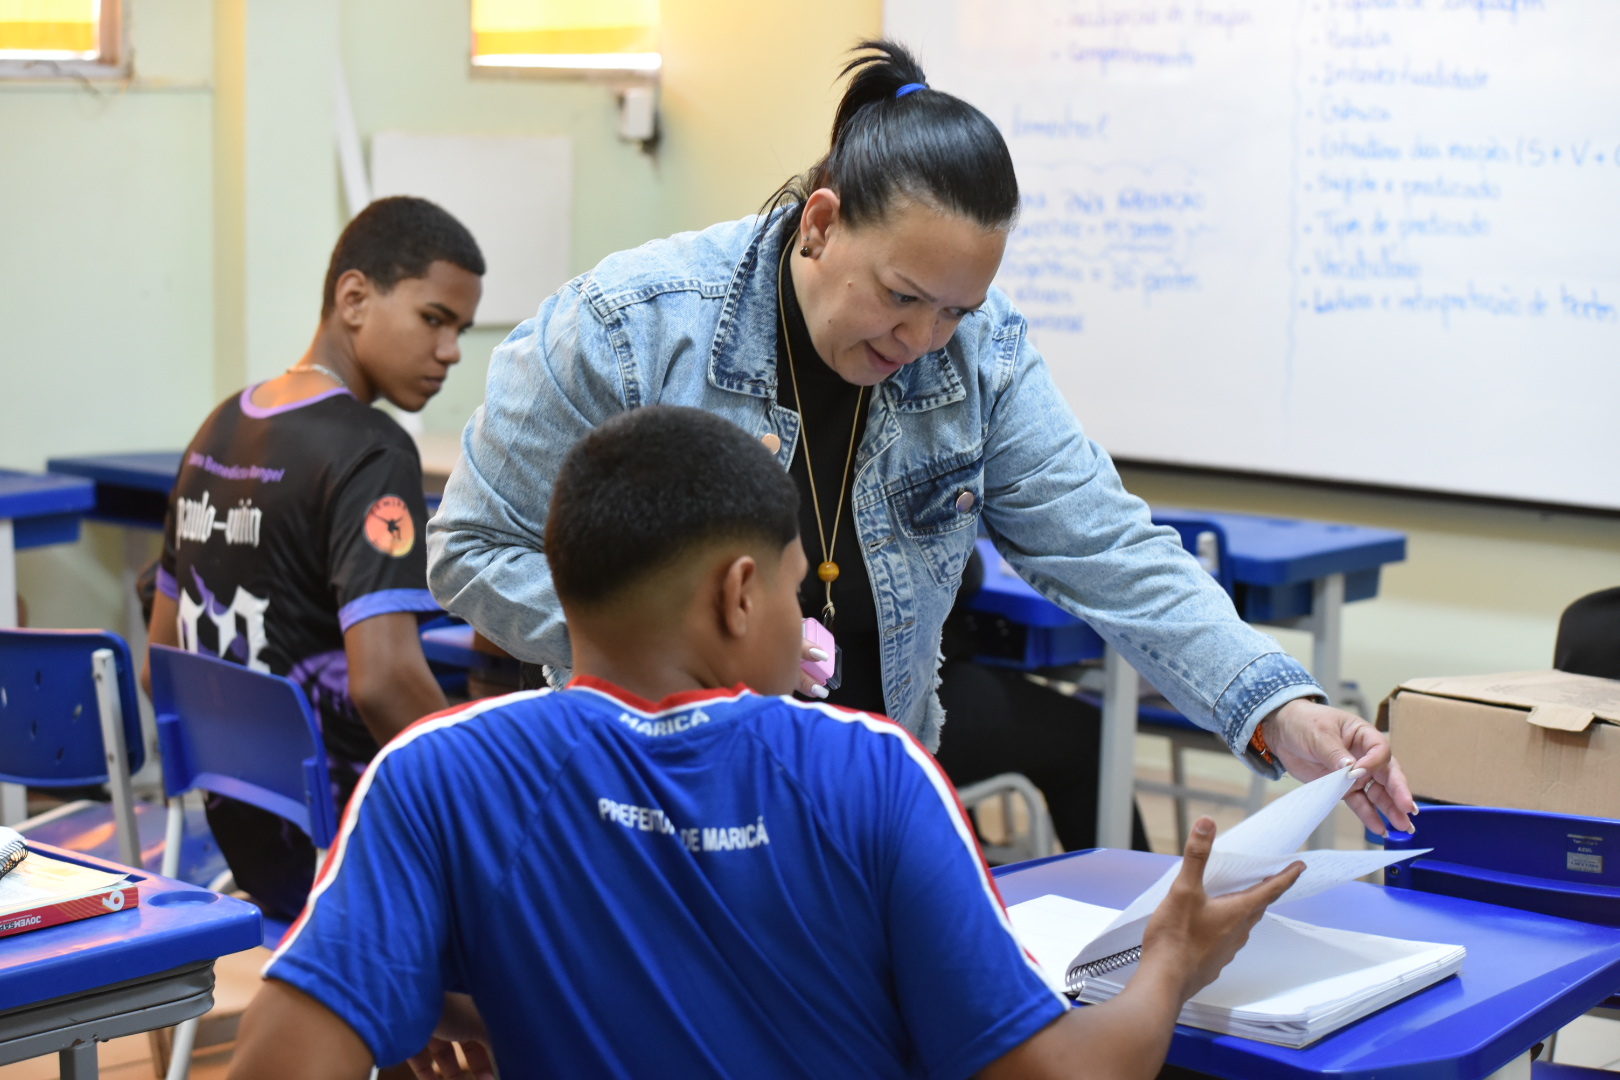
(808, 686)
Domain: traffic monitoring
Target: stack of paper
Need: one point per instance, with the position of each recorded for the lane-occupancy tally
(1291, 984)
(1253, 850)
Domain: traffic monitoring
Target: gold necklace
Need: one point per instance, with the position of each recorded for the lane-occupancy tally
(311, 366)
(828, 570)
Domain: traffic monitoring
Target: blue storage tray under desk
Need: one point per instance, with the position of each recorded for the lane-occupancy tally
(43, 509)
(131, 489)
(1028, 631)
(1275, 561)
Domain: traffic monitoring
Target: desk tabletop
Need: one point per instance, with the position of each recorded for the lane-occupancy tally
(174, 924)
(1283, 551)
(152, 471)
(25, 495)
(1526, 975)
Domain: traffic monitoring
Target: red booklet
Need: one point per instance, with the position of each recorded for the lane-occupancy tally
(43, 891)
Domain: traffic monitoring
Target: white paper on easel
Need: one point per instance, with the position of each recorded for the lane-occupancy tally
(1261, 845)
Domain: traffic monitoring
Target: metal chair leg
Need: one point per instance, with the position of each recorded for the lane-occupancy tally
(185, 1037)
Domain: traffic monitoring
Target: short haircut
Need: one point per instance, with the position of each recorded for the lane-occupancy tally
(650, 485)
(397, 238)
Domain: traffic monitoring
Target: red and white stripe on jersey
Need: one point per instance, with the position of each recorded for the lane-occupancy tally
(678, 702)
(946, 791)
(334, 858)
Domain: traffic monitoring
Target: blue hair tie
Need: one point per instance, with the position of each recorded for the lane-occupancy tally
(909, 87)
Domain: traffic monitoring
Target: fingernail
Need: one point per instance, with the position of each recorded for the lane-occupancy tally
(817, 654)
(1414, 811)
(818, 691)
(1203, 827)
(1347, 762)
(1356, 774)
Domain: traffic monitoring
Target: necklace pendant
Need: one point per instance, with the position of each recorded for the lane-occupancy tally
(827, 571)
(829, 615)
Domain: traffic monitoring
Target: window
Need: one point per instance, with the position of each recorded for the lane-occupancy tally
(45, 38)
(566, 35)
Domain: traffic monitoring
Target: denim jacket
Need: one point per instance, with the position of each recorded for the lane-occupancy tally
(973, 434)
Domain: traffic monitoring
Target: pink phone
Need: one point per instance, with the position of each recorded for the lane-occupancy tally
(823, 671)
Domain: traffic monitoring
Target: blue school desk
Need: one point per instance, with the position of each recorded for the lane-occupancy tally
(65, 988)
(1526, 976)
(35, 511)
(1286, 572)
(132, 491)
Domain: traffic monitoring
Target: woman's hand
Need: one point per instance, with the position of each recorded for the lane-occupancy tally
(1191, 937)
(809, 687)
(1311, 740)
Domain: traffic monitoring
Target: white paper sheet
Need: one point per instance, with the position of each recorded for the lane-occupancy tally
(1291, 984)
(1251, 851)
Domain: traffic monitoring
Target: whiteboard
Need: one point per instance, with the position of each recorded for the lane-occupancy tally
(515, 194)
(1373, 241)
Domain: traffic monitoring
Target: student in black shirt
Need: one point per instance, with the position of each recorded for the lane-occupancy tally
(295, 540)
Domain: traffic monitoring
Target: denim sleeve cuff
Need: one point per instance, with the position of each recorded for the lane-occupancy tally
(1268, 683)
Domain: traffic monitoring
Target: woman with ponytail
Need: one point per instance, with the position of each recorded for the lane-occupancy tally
(853, 328)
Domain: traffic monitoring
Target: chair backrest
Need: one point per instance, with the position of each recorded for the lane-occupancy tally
(1555, 864)
(50, 719)
(1205, 539)
(246, 734)
(1589, 636)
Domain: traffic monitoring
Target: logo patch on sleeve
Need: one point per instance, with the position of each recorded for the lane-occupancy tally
(389, 527)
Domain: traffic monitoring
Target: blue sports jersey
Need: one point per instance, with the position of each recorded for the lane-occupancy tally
(721, 884)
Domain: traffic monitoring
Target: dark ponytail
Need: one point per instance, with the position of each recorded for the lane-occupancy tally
(924, 144)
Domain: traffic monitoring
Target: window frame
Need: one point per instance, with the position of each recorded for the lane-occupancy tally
(112, 63)
(617, 76)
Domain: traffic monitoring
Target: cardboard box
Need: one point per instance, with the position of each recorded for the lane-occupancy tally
(1532, 740)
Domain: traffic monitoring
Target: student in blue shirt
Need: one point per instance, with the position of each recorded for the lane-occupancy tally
(659, 871)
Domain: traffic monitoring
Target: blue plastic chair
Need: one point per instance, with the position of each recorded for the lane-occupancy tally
(68, 718)
(248, 735)
(245, 734)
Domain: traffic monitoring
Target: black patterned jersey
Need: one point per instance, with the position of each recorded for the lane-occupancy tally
(287, 526)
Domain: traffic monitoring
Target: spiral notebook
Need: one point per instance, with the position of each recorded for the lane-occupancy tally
(1293, 982)
(1257, 847)
(1290, 985)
